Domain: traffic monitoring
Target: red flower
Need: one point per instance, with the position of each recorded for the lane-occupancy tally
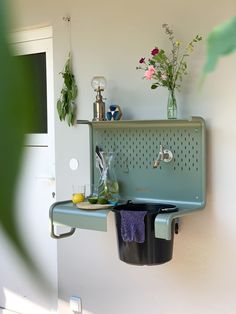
(142, 60)
(155, 51)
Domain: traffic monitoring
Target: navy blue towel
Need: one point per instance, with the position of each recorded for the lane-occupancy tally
(132, 226)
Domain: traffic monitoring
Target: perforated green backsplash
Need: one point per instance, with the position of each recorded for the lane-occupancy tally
(137, 144)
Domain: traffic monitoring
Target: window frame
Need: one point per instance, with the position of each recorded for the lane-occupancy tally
(31, 42)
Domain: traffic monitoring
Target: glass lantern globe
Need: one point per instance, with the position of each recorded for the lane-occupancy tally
(98, 83)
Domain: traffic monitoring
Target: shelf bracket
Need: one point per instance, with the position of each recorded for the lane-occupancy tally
(163, 222)
(52, 227)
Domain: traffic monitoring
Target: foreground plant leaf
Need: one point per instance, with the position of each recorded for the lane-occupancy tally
(220, 42)
(16, 119)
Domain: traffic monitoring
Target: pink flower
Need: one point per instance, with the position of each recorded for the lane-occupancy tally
(155, 51)
(149, 73)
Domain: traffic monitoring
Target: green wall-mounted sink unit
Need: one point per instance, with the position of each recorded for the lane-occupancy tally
(181, 182)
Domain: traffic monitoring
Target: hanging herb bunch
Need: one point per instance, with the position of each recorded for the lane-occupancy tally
(66, 106)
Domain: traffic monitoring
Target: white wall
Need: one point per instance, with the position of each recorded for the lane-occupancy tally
(108, 38)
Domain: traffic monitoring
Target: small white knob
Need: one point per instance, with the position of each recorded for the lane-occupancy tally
(74, 164)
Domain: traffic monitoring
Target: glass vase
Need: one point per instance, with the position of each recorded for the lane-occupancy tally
(171, 105)
(108, 187)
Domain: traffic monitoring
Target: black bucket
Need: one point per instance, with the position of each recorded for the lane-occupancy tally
(152, 251)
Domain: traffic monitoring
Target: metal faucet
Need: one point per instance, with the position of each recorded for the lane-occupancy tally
(163, 155)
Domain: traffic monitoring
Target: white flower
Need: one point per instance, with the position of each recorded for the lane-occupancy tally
(163, 76)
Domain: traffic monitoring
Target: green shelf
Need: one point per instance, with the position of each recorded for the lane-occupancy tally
(67, 214)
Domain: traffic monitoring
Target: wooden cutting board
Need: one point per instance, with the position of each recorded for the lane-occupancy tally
(87, 205)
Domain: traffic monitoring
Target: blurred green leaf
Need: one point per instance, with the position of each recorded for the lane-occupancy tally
(16, 119)
(221, 41)
(16, 116)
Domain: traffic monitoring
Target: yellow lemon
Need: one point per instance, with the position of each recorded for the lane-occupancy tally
(77, 198)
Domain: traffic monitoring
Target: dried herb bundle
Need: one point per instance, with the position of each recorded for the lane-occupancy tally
(66, 106)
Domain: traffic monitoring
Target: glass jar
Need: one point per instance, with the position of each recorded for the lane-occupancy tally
(108, 187)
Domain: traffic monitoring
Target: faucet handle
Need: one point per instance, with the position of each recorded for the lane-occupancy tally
(167, 155)
(163, 155)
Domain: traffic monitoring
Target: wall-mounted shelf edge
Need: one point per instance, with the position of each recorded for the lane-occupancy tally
(142, 123)
(66, 214)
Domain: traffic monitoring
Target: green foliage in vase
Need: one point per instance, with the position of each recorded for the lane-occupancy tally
(66, 107)
(165, 69)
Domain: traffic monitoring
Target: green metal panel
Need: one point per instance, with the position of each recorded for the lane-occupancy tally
(136, 144)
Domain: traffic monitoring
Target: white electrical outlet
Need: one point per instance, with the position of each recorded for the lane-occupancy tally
(76, 304)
